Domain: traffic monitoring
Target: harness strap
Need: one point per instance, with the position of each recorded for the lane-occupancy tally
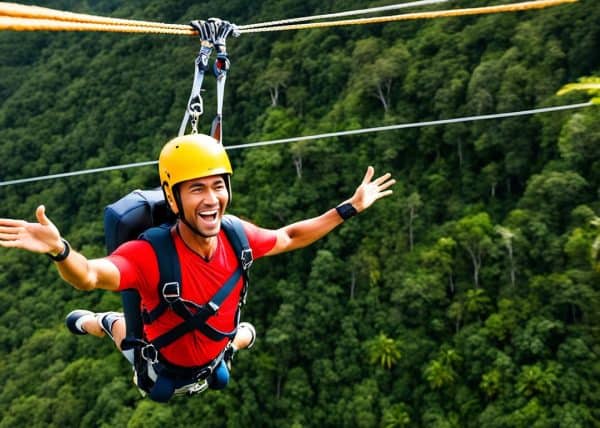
(194, 316)
(197, 321)
(239, 241)
(165, 379)
(166, 253)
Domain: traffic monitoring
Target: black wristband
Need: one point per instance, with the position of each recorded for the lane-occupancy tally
(346, 211)
(64, 254)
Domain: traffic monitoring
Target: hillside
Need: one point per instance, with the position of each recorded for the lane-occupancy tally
(470, 298)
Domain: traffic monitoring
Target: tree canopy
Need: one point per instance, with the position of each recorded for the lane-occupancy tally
(470, 297)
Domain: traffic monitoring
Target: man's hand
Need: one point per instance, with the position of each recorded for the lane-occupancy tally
(369, 191)
(42, 237)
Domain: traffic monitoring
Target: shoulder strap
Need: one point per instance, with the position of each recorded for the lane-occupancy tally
(166, 254)
(234, 230)
(168, 267)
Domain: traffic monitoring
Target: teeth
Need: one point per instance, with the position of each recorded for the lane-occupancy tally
(209, 214)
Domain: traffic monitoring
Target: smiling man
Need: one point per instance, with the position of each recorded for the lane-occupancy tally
(195, 175)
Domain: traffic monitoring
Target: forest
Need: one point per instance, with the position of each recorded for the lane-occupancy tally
(468, 298)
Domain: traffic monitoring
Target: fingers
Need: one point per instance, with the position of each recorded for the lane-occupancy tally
(368, 175)
(9, 236)
(379, 180)
(10, 223)
(10, 229)
(12, 243)
(383, 178)
(385, 184)
(6, 232)
(384, 193)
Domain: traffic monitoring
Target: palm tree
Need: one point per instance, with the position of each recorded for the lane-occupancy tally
(589, 84)
(383, 350)
(439, 374)
(395, 416)
(535, 380)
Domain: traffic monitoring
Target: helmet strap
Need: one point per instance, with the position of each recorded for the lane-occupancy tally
(227, 178)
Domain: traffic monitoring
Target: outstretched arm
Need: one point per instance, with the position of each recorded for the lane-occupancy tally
(305, 232)
(43, 237)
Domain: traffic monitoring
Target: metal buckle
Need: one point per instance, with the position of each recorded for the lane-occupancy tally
(213, 306)
(149, 353)
(198, 387)
(193, 388)
(203, 374)
(171, 292)
(246, 258)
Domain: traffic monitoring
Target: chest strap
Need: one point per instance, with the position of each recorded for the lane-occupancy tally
(194, 315)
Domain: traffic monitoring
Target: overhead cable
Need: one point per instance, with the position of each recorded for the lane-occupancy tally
(26, 12)
(347, 13)
(318, 137)
(12, 18)
(23, 24)
(514, 7)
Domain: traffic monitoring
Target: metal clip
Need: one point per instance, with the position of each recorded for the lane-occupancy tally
(171, 292)
(246, 258)
(149, 353)
(195, 388)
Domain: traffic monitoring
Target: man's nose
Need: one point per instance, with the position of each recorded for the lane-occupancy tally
(211, 197)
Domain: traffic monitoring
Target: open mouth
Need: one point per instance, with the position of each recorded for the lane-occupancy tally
(208, 216)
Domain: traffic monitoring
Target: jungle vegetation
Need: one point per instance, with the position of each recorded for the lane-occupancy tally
(470, 298)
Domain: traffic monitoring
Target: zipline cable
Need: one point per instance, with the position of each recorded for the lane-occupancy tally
(19, 23)
(412, 125)
(317, 137)
(22, 24)
(36, 12)
(347, 13)
(514, 7)
(16, 10)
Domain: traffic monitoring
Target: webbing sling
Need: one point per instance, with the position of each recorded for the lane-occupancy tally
(194, 316)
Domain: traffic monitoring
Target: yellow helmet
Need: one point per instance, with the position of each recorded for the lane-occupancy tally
(191, 156)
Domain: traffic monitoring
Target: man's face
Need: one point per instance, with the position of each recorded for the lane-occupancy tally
(204, 201)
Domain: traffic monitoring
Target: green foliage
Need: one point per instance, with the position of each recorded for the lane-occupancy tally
(469, 298)
(383, 350)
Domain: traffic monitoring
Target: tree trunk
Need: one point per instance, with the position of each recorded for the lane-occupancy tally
(278, 392)
(411, 217)
(274, 93)
(298, 166)
(381, 97)
(476, 260)
(513, 273)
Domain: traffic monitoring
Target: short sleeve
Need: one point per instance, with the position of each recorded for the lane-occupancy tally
(137, 265)
(261, 240)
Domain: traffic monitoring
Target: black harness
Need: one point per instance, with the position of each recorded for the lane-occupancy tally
(155, 375)
(194, 315)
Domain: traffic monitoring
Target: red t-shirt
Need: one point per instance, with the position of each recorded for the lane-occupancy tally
(200, 279)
